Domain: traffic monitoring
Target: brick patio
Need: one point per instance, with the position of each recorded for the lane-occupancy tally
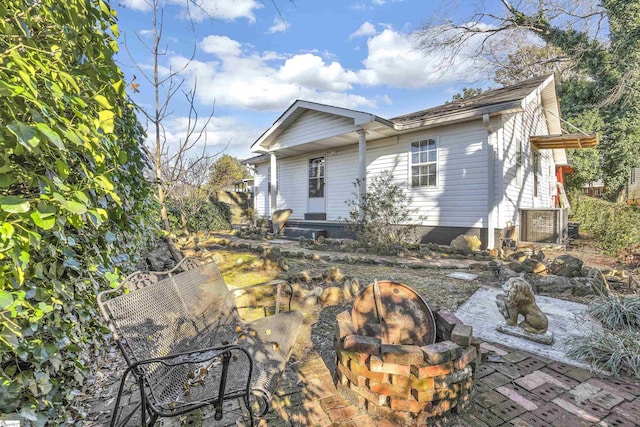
(517, 389)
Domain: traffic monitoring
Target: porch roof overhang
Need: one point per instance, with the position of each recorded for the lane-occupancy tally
(565, 141)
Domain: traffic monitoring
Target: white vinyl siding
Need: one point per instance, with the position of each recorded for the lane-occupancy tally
(460, 199)
(261, 192)
(342, 173)
(314, 126)
(519, 127)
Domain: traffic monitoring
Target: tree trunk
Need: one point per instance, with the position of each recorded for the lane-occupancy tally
(175, 253)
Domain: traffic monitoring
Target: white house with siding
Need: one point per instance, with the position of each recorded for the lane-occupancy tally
(469, 165)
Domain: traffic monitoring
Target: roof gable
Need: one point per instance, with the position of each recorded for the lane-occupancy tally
(299, 108)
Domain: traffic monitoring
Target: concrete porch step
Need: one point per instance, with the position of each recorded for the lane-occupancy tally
(308, 233)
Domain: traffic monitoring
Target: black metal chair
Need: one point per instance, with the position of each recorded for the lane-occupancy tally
(187, 347)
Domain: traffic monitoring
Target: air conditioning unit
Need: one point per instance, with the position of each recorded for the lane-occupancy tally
(543, 225)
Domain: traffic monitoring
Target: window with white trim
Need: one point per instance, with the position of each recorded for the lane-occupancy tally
(424, 163)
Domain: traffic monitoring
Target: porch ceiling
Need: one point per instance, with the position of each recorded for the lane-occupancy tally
(548, 142)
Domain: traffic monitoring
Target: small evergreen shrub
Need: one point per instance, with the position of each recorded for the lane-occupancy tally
(616, 348)
(388, 220)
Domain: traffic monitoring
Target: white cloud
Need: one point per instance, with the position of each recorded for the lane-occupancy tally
(224, 133)
(366, 29)
(221, 46)
(243, 78)
(279, 26)
(226, 10)
(394, 60)
(136, 4)
(311, 71)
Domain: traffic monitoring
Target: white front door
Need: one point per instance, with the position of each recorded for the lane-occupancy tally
(316, 200)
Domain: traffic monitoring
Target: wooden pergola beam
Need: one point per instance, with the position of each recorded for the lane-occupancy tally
(549, 142)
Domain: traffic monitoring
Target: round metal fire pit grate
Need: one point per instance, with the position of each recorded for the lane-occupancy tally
(399, 359)
(395, 313)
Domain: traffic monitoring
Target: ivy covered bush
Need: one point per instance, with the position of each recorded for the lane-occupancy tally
(203, 215)
(73, 202)
(614, 226)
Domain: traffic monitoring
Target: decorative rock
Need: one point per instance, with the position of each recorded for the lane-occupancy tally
(279, 218)
(334, 274)
(531, 265)
(217, 258)
(462, 242)
(304, 276)
(332, 296)
(299, 290)
(583, 286)
(567, 266)
(539, 255)
(311, 300)
(552, 284)
(506, 274)
(600, 285)
(516, 266)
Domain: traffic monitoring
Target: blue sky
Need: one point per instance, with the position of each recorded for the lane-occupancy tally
(253, 62)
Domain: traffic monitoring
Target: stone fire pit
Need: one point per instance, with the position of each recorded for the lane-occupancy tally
(399, 359)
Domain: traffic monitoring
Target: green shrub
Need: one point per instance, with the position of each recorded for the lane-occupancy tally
(74, 205)
(204, 215)
(617, 312)
(614, 226)
(615, 351)
(617, 347)
(387, 216)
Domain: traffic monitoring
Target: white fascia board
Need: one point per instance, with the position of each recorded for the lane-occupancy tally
(505, 108)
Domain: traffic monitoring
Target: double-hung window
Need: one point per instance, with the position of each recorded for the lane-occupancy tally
(424, 163)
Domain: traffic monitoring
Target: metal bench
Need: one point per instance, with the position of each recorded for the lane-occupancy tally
(187, 347)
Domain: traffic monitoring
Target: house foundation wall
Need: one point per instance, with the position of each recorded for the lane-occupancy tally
(425, 234)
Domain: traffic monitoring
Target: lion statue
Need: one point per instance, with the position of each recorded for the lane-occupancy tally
(518, 299)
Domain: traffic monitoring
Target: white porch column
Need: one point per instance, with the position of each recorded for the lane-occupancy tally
(491, 184)
(362, 166)
(273, 187)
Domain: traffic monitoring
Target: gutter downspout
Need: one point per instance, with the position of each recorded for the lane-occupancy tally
(362, 169)
(491, 194)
